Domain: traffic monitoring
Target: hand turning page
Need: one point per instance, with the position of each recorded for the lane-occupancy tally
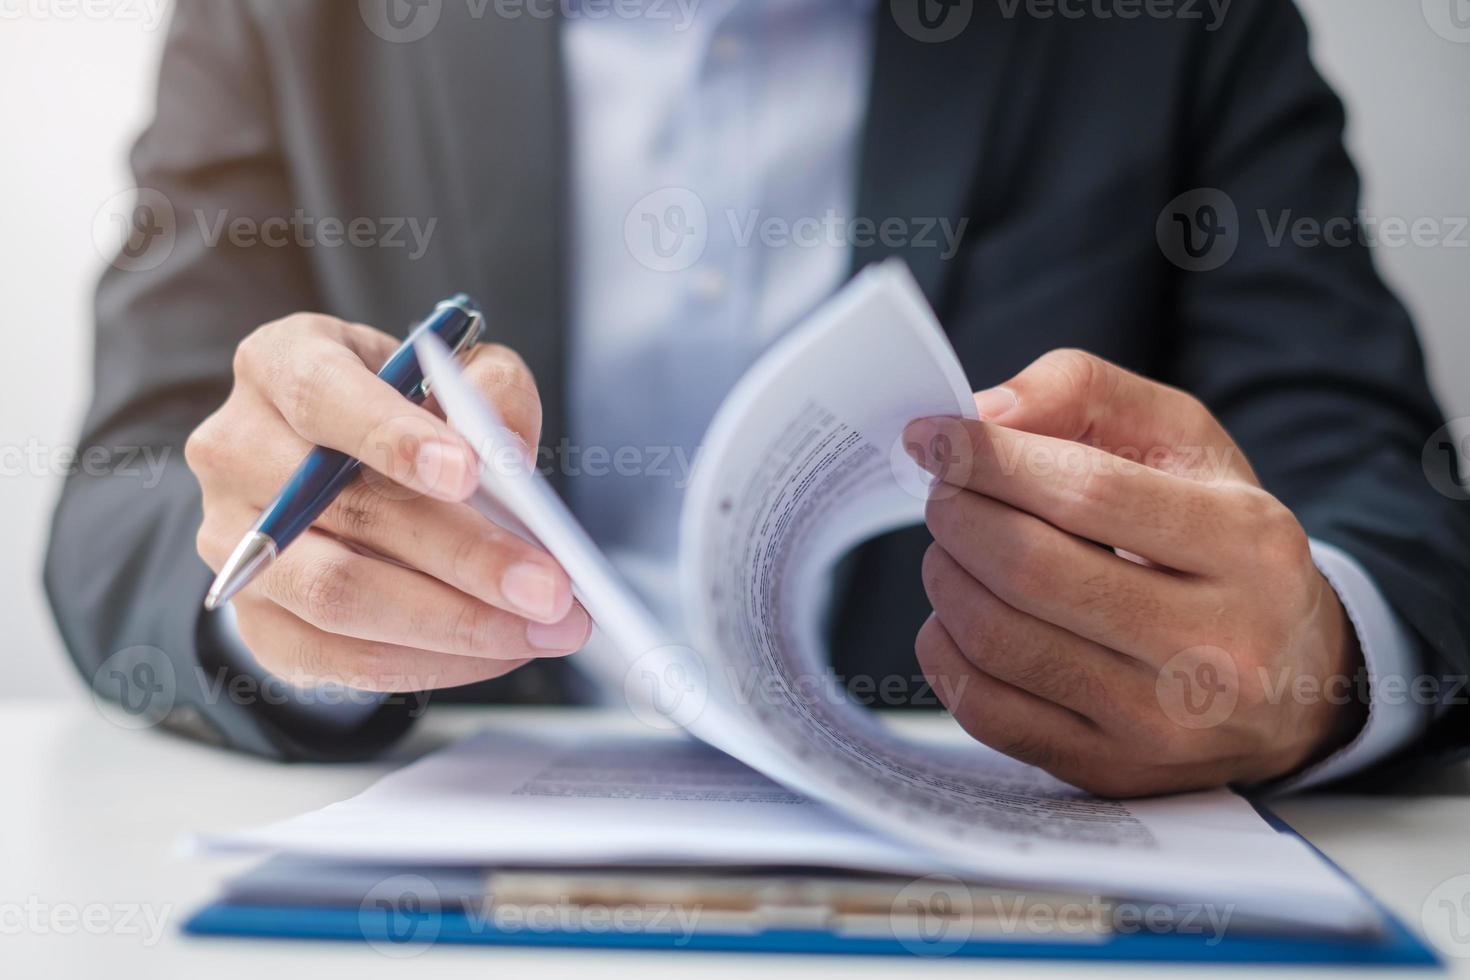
(802, 462)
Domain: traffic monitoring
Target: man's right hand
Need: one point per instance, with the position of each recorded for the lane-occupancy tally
(400, 586)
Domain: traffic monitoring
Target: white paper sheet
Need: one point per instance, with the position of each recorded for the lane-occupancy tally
(802, 462)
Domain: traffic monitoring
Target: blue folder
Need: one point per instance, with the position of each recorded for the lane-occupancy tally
(1395, 945)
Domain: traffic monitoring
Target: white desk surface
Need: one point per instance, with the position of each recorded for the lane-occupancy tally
(92, 814)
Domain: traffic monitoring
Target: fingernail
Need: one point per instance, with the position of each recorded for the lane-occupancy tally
(994, 402)
(445, 471)
(533, 589)
(561, 637)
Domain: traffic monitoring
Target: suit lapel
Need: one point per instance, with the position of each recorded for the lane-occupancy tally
(930, 114)
(497, 93)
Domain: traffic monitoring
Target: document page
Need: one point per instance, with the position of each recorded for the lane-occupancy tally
(802, 462)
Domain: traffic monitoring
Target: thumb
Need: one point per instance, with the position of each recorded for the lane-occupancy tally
(1077, 396)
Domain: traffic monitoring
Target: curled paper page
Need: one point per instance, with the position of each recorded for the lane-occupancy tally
(803, 461)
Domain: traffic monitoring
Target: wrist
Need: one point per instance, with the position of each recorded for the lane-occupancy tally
(1332, 720)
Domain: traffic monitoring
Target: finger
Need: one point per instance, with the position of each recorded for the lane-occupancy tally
(336, 589)
(1006, 718)
(503, 378)
(305, 656)
(451, 542)
(1025, 652)
(1181, 522)
(1077, 396)
(328, 395)
(1064, 580)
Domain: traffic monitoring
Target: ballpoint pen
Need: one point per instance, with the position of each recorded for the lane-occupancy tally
(326, 472)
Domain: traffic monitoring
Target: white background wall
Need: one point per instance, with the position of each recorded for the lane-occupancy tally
(77, 78)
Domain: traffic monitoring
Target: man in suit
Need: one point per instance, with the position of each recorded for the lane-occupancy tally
(1059, 180)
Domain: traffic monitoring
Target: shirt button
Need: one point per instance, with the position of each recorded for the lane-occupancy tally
(710, 283)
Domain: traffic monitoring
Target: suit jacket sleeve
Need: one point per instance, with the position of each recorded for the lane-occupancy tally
(122, 573)
(1305, 355)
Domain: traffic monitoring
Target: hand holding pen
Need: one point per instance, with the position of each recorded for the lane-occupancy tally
(378, 575)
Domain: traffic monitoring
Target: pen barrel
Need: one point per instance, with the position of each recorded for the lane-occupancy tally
(310, 491)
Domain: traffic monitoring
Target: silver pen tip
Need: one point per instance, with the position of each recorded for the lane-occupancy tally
(254, 552)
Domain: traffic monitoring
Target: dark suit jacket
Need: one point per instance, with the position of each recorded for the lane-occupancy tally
(1059, 141)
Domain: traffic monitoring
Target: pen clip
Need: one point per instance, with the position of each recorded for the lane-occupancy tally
(466, 342)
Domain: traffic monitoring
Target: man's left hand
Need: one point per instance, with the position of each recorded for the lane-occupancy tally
(1116, 599)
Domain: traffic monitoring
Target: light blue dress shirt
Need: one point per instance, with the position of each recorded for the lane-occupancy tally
(714, 155)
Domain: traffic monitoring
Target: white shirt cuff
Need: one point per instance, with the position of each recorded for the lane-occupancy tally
(334, 705)
(1398, 711)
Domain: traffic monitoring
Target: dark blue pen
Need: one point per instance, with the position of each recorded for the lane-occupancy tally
(325, 472)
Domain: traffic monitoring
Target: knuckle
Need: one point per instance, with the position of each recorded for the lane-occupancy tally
(472, 629)
(360, 511)
(473, 562)
(206, 448)
(310, 660)
(934, 570)
(1030, 747)
(501, 374)
(325, 591)
(1281, 540)
(1077, 368)
(306, 387)
(1023, 571)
